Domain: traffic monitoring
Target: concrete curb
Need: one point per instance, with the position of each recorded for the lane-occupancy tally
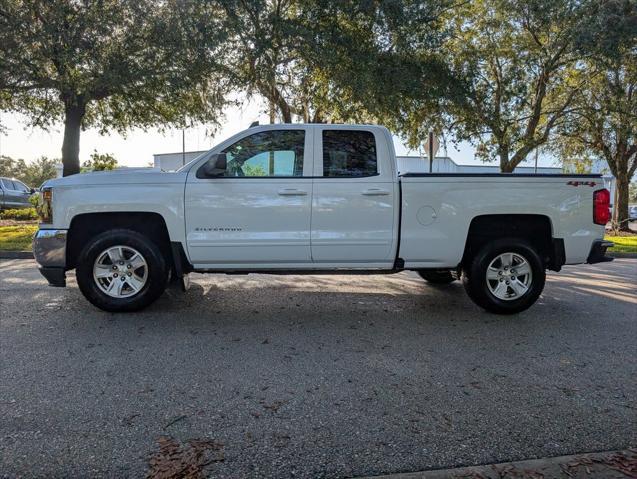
(619, 254)
(601, 465)
(16, 255)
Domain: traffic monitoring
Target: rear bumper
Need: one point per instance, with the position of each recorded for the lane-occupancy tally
(49, 250)
(598, 252)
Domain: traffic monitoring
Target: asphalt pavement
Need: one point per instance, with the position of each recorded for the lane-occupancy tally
(312, 376)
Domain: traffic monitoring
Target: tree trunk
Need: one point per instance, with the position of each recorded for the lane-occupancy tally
(286, 112)
(275, 98)
(272, 112)
(505, 165)
(620, 209)
(74, 112)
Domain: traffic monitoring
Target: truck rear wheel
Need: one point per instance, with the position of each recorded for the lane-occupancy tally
(442, 276)
(121, 270)
(505, 277)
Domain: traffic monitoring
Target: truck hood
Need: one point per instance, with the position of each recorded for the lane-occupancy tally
(118, 177)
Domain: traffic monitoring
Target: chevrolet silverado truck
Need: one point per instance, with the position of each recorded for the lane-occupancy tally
(312, 199)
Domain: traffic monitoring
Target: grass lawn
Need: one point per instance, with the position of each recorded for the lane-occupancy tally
(623, 244)
(17, 237)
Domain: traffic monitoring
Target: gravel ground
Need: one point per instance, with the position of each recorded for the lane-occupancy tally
(313, 376)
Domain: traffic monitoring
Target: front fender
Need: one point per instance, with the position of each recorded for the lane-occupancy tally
(165, 200)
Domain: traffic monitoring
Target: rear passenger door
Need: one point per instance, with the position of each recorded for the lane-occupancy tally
(354, 198)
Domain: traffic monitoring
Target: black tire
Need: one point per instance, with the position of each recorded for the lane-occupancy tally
(441, 276)
(157, 275)
(474, 277)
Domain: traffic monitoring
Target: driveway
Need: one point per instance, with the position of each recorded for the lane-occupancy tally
(313, 376)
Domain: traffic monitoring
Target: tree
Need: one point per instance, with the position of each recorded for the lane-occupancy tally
(10, 167)
(498, 73)
(378, 61)
(38, 171)
(516, 62)
(100, 162)
(30, 173)
(321, 60)
(605, 125)
(603, 121)
(113, 64)
(268, 55)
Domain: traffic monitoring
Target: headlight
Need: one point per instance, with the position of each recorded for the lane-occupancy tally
(44, 205)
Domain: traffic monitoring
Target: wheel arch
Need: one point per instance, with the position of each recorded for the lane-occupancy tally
(536, 229)
(85, 226)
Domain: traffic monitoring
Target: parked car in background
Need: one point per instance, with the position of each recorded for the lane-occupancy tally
(14, 194)
(632, 213)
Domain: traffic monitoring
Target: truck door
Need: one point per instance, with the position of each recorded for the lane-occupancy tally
(354, 211)
(258, 212)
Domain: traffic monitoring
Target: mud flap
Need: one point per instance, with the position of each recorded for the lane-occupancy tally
(185, 282)
(180, 274)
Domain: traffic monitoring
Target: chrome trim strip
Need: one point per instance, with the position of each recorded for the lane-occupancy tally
(49, 248)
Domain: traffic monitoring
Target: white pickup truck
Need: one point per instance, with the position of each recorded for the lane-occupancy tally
(316, 199)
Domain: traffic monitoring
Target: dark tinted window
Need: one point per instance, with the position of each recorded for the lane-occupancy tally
(19, 186)
(8, 184)
(349, 153)
(268, 153)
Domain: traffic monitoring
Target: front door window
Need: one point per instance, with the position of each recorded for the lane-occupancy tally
(277, 153)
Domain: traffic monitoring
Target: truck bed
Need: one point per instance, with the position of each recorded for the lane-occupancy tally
(439, 208)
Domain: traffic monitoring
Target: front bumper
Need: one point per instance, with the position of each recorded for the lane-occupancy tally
(598, 252)
(49, 249)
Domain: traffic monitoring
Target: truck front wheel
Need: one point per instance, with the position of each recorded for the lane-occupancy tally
(505, 277)
(121, 270)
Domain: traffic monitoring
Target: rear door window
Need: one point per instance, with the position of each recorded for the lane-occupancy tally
(19, 186)
(7, 184)
(349, 154)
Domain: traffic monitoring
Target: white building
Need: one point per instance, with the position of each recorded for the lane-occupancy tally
(174, 161)
(444, 164)
(413, 164)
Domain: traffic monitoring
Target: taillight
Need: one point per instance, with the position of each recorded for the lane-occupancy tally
(601, 207)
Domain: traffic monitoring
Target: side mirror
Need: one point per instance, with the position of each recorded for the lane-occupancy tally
(215, 166)
(32, 190)
(221, 163)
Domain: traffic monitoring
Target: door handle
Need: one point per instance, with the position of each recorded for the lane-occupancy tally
(375, 192)
(292, 192)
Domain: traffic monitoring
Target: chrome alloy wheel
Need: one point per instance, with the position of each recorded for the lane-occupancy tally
(509, 276)
(120, 271)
